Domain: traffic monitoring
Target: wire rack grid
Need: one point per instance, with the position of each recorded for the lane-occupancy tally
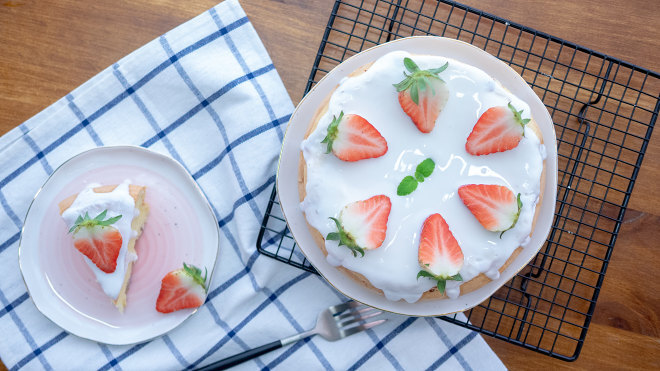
(604, 111)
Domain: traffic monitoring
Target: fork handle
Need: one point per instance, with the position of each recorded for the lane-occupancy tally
(242, 357)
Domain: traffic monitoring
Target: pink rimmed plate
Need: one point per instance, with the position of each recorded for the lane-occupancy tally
(181, 227)
(287, 179)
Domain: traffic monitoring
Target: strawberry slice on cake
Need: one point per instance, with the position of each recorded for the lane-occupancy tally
(352, 138)
(498, 129)
(98, 240)
(182, 289)
(362, 225)
(439, 254)
(496, 207)
(422, 94)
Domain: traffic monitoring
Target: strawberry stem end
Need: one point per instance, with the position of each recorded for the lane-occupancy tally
(332, 131)
(344, 239)
(442, 279)
(87, 222)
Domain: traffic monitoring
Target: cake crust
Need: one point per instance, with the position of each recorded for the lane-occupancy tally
(433, 293)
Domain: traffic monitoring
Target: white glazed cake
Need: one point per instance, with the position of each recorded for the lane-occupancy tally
(125, 200)
(328, 184)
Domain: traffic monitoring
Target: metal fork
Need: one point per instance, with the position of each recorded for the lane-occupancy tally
(334, 323)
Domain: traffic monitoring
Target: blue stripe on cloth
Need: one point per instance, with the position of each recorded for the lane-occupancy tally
(123, 356)
(119, 98)
(108, 355)
(288, 352)
(250, 317)
(382, 343)
(246, 69)
(217, 291)
(175, 351)
(38, 353)
(445, 339)
(317, 352)
(247, 197)
(216, 118)
(33, 145)
(150, 118)
(245, 271)
(453, 350)
(10, 212)
(9, 307)
(227, 328)
(205, 103)
(388, 355)
(243, 138)
(230, 236)
(90, 130)
(9, 241)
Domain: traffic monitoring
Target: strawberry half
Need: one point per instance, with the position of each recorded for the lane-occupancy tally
(181, 289)
(498, 129)
(494, 206)
(352, 138)
(98, 240)
(440, 256)
(362, 225)
(422, 95)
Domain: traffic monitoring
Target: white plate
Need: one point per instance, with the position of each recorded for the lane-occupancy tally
(287, 179)
(181, 227)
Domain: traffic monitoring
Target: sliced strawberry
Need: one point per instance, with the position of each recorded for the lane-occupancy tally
(362, 224)
(98, 240)
(352, 138)
(181, 289)
(498, 129)
(422, 95)
(440, 256)
(494, 206)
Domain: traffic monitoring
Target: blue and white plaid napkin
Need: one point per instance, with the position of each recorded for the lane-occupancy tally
(206, 94)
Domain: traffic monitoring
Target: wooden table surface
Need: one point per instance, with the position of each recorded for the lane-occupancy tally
(49, 48)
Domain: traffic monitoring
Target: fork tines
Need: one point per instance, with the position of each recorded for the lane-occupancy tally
(351, 312)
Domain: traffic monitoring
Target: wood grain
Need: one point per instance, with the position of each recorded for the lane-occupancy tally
(49, 48)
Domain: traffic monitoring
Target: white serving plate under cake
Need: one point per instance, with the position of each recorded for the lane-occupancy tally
(287, 177)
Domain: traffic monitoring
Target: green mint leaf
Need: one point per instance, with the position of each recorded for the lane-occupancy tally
(425, 168)
(407, 186)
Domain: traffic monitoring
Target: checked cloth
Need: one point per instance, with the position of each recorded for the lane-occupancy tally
(206, 94)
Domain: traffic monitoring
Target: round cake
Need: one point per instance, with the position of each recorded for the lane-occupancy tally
(420, 175)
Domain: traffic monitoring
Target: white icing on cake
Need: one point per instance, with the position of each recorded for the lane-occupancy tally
(332, 183)
(117, 202)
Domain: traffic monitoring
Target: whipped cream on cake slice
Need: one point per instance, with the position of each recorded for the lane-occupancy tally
(330, 183)
(109, 211)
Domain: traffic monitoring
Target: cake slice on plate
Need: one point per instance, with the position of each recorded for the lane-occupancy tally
(105, 222)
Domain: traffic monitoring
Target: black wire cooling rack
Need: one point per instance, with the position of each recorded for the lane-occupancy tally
(604, 111)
